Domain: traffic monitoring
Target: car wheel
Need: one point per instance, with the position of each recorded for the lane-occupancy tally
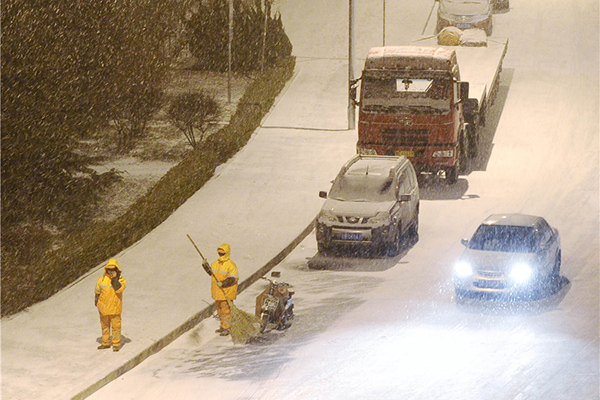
(394, 247)
(322, 248)
(556, 269)
(413, 231)
(461, 295)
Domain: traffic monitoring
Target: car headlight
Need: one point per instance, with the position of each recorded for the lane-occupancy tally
(326, 216)
(380, 218)
(520, 273)
(463, 269)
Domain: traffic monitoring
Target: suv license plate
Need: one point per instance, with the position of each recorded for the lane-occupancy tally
(463, 26)
(406, 153)
(351, 236)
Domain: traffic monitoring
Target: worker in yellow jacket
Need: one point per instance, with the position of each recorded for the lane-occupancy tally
(224, 282)
(109, 300)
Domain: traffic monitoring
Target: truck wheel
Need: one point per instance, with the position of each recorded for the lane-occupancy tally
(473, 142)
(463, 152)
(451, 175)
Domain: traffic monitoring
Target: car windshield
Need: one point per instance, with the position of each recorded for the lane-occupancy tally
(367, 188)
(513, 239)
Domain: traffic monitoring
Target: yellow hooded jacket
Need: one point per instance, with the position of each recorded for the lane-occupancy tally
(223, 268)
(110, 301)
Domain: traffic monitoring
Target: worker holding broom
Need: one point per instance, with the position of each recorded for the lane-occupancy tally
(224, 274)
(241, 325)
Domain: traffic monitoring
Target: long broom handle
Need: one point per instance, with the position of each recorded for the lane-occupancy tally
(212, 274)
(197, 249)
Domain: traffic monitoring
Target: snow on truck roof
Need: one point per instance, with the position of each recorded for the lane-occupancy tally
(403, 57)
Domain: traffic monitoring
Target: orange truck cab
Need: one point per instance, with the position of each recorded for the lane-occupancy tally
(414, 103)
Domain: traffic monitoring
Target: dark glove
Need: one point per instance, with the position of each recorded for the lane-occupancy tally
(115, 282)
(206, 267)
(96, 299)
(228, 282)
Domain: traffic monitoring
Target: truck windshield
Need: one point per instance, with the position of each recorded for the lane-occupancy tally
(398, 94)
(368, 188)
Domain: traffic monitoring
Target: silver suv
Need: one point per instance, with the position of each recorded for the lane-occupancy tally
(373, 203)
(465, 14)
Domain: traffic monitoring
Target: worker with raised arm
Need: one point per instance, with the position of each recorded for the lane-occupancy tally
(224, 284)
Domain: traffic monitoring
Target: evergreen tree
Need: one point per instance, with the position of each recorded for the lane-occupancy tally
(209, 35)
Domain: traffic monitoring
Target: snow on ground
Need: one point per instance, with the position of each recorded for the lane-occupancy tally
(388, 329)
(273, 177)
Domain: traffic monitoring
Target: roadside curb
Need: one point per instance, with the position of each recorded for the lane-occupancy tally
(193, 321)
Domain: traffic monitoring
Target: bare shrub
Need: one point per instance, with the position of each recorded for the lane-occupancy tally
(193, 113)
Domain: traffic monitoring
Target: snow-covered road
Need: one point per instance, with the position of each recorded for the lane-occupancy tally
(391, 329)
